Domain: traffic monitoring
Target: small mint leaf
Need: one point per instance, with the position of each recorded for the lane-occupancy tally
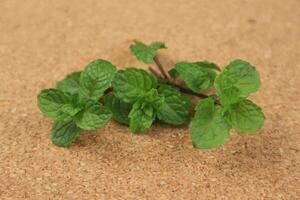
(96, 78)
(176, 106)
(208, 128)
(145, 52)
(93, 116)
(119, 108)
(245, 116)
(230, 96)
(195, 76)
(131, 84)
(141, 116)
(70, 84)
(239, 74)
(64, 133)
(51, 101)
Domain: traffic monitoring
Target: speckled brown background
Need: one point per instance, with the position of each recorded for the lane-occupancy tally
(42, 41)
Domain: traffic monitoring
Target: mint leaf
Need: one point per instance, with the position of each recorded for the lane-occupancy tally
(239, 74)
(230, 96)
(208, 65)
(96, 78)
(245, 116)
(197, 77)
(141, 116)
(64, 133)
(70, 109)
(70, 84)
(208, 128)
(51, 101)
(119, 108)
(176, 106)
(145, 52)
(130, 84)
(93, 116)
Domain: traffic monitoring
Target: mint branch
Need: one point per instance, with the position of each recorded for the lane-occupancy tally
(160, 67)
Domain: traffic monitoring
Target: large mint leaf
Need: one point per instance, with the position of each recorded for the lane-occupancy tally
(208, 128)
(245, 116)
(145, 52)
(64, 133)
(141, 116)
(51, 101)
(93, 116)
(70, 84)
(131, 84)
(176, 106)
(96, 78)
(119, 108)
(239, 74)
(198, 77)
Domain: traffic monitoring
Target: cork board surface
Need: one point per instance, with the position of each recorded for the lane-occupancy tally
(42, 41)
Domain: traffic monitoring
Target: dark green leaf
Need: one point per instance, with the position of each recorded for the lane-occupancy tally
(195, 76)
(131, 84)
(245, 116)
(176, 106)
(93, 116)
(51, 101)
(145, 52)
(208, 128)
(208, 65)
(96, 78)
(239, 74)
(173, 73)
(119, 108)
(70, 84)
(64, 133)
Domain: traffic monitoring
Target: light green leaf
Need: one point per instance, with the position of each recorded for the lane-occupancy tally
(119, 108)
(141, 117)
(239, 74)
(245, 116)
(70, 84)
(230, 96)
(70, 109)
(208, 128)
(51, 101)
(176, 106)
(145, 52)
(64, 133)
(131, 84)
(195, 76)
(96, 78)
(93, 116)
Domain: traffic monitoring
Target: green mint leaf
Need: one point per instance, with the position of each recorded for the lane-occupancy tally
(239, 74)
(245, 116)
(195, 76)
(64, 133)
(93, 116)
(96, 78)
(131, 84)
(176, 106)
(173, 73)
(145, 52)
(230, 96)
(70, 84)
(208, 65)
(208, 128)
(51, 101)
(70, 109)
(119, 108)
(141, 116)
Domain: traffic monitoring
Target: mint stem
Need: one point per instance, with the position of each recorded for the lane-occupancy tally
(160, 67)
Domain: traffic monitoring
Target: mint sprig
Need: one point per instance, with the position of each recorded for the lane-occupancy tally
(88, 99)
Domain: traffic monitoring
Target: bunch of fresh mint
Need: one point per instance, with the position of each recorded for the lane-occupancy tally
(87, 100)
